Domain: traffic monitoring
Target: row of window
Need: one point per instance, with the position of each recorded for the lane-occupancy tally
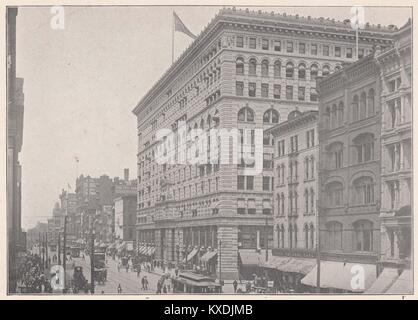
(288, 46)
(301, 70)
(308, 231)
(363, 192)
(277, 91)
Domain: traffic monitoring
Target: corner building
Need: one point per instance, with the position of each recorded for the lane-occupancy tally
(247, 70)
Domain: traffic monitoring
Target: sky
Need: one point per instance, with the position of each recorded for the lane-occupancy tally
(82, 82)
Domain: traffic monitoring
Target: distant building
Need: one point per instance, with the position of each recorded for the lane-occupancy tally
(125, 217)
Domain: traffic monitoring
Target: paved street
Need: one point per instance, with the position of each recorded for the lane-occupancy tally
(130, 283)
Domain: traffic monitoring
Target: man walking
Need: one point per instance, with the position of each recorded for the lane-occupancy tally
(235, 284)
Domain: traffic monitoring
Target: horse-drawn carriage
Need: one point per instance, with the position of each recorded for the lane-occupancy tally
(79, 282)
(100, 275)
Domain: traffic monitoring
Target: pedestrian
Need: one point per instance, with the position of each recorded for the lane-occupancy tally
(143, 283)
(138, 270)
(118, 266)
(127, 267)
(119, 288)
(164, 289)
(235, 284)
(146, 283)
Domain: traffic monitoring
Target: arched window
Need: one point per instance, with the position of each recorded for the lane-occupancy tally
(333, 117)
(239, 66)
(364, 147)
(209, 121)
(337, 67)
(289, 70)
(306, 232)
(312, 232)
(364, 235)
(295, 231)
(335, 153)
(282, 201)
(265, 68)
(334, 191)
(340, 114)
(312, 197)
(306, 196)
(363, 106)
(354, 107)
(282, 236)
(326, 70)
(363, 191)
(370, 102)
(252, 70)
(334, 231)
(277, 68)
(314, 71)
(202, 124)
(302, 71)
(271, 116)
(246, 114)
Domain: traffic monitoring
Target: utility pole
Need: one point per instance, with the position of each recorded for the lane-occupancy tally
(92, 261)
(64, 251)
(220, 263)
(59, 248)
(46, 251)
(267, 240)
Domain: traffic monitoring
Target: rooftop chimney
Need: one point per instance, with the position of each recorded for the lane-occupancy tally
(126, 174)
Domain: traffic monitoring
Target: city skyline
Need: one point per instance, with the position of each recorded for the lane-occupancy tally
(94, 67)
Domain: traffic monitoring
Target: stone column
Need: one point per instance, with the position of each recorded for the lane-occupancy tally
(158, 244)
(227, 253)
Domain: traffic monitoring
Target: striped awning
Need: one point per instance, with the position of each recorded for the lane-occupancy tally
(403, 285)
(208, 256)
(384, 281)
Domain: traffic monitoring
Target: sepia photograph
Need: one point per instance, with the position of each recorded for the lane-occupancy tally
(208, 150)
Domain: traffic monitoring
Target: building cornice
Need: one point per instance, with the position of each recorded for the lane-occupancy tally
(233, 17)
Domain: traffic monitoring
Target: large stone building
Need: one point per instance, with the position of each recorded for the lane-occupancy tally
(125, 217)
(247, 71)
(15, 109)
(396, 158)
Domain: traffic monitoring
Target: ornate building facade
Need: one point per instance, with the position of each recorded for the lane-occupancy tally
(246, 71)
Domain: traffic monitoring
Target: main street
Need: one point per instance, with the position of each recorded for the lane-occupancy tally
(129, 281)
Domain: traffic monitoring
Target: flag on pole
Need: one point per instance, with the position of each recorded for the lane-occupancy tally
(179, 26)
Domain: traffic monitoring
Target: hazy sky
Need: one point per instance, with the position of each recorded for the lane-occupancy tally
(81, 84)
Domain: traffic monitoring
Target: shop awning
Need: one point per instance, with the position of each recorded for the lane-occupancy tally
(141, 249)
(289, 264)
(208, 256)
(384, 281)
(249, 257)
(129, 246)
(151, 251)
(403, 285)
(339, 275)
(192, 254)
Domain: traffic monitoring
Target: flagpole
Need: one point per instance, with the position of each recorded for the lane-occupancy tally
(172, 39)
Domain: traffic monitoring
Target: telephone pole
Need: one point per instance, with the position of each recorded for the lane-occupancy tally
(64, 251)
(59, 248)
(92, 261)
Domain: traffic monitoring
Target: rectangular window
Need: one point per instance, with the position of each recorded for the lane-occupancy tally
(314, 49)
(289, 46)
(264, 90)
(239, 88)
(240, 41)
(301, 93)
(252, 43)
(349, 52)
(289, 92)
(266, 183)
(337, 52)
(325, 50)
(281, 148)
(277, 45)
(276, 93)
(251, 89)
(265, 44)
(302, 48)
(250, 183)
(360, 53)
(241, 182)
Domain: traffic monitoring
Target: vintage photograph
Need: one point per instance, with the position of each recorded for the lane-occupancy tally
(215, 150)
